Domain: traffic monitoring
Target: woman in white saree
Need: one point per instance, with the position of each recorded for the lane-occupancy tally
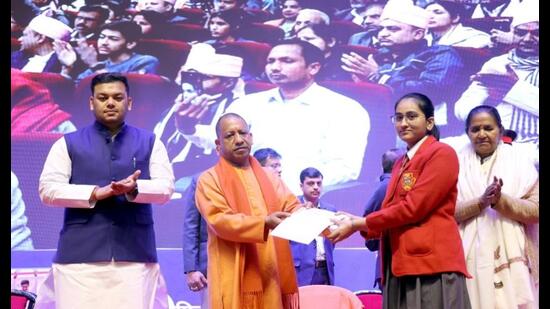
(498, 213)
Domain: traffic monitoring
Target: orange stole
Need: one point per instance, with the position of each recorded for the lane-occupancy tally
(235, 195)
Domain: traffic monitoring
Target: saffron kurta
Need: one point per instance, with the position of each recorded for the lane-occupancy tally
(228, 231)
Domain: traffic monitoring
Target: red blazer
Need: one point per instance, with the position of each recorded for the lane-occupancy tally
(417, 214)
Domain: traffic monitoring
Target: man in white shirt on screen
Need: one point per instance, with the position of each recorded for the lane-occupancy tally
(306, 123)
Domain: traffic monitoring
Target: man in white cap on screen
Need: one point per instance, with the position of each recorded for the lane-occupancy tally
(37, 52)
(210, 83)
(405, 62)
(511, 81)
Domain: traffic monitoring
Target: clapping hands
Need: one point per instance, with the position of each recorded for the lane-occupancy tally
(189, 111)
(492, 194)
(65, 53)
(123, 186)
(360, 67)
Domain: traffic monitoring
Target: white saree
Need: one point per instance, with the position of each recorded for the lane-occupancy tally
(495, 246)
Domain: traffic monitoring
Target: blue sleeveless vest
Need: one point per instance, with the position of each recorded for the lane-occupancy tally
(114, 228)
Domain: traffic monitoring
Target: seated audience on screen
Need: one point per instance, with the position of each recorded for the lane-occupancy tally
(445, 26)
(308, 17)
(508, 136)
(225, 5)
(356, 12)
(373, 11)
(405, 62)
(87, 22)
(224, 26)
(49, 8)
(165, 8)
(290, 10)
(247, 6)
(115, 52)
(117, 10)
(323, 37)
(153, 25)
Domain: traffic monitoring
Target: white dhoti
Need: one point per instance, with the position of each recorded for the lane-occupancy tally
(103, 285)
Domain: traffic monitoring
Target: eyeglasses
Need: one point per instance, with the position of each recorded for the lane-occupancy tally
(409, 117)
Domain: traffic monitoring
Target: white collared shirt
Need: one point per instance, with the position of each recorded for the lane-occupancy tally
(414, 149)
(319, 128)
(320, 254)
(37, 63)
(357, 18)
(320, 246)
(461, 36)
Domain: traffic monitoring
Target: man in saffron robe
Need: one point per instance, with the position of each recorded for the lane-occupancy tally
(241, 203)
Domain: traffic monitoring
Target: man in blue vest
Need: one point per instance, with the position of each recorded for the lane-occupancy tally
(106, 176)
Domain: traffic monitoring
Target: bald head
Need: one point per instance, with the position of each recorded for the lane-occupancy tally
(308, 17)
(225, 117)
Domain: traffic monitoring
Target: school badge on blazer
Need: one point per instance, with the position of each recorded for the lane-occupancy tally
(408, 181)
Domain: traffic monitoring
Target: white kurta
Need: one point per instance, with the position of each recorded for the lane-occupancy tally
(103, 284)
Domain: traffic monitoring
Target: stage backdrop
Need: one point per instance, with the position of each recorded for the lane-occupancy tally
(153, 96)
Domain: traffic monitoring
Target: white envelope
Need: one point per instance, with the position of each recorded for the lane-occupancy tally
(304, 225)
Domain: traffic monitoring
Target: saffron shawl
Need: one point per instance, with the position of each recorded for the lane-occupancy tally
(251, 283)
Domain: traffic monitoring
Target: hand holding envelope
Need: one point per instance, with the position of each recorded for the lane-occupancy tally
(346, 226)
